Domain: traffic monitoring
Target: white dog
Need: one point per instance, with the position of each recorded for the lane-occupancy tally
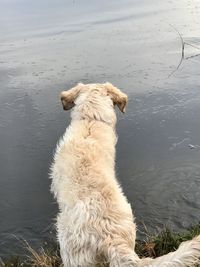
(95, 224)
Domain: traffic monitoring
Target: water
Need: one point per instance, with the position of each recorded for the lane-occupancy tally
(48, 46)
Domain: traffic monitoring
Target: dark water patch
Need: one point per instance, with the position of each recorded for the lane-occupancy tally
(156, 165)
(24, 165)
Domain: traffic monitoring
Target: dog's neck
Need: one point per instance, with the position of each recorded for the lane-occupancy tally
(94, 119)
(94, 109)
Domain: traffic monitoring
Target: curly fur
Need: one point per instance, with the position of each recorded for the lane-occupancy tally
(95, 224)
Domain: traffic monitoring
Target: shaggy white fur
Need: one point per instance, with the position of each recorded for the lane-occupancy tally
(95, 223)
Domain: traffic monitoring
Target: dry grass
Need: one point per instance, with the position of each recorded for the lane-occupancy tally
(154, 246)
(44, 257)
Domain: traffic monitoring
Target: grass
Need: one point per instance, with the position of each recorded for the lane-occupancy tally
(165, 241)
(154, 246)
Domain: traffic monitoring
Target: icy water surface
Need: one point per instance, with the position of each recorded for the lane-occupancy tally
(48, 46)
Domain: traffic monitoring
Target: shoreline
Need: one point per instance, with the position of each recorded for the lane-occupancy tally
(152, 246)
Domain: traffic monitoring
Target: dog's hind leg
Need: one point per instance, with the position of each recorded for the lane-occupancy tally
(122, 256)
(76, 260)
(82, 256)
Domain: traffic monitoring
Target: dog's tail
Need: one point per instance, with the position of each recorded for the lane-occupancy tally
(186, 255)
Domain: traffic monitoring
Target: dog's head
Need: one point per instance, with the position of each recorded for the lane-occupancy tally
(88, 92)
(94, 101)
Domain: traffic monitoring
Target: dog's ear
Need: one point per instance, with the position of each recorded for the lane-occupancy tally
(120, 99)
(68, 97)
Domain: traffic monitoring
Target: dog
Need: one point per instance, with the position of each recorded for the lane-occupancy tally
(95, 224)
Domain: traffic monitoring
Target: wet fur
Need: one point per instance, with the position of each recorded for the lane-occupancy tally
(95, 224)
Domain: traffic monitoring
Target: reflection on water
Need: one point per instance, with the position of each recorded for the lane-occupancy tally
(50, 45)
